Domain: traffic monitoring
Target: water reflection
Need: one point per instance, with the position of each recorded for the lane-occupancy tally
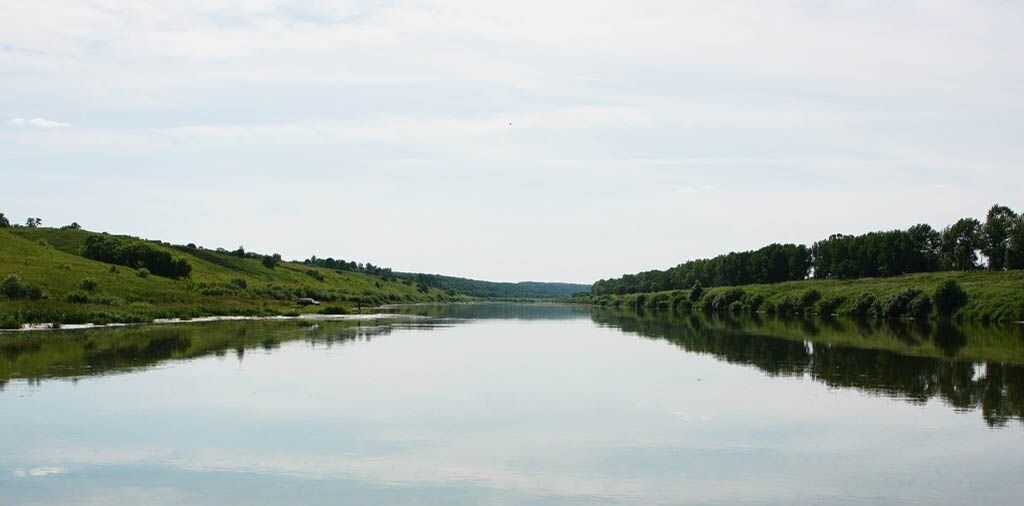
(912, 361)
(966, 367)
(40, 355)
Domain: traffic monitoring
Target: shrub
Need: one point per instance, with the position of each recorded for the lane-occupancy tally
(77, 297)
(809, 298)
(920, 306)
(896, 305)
(830, 305)
(11, 321)
(142, 272)
(659, 301)
(789, 305)
(88, 284)
(13, 288)
(315, 274)
(684, 306)
(239, 283)
(696, 292)
(949, 297)
(754, 302)
(722, 301)
(269, 262)
(864, 304)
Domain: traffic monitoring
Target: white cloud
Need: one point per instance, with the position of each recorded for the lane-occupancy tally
(39, 123)
(38, 472)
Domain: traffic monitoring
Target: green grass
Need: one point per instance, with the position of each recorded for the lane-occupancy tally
(992, 296)
(50, 258)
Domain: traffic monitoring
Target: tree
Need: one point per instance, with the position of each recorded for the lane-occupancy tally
(270, 261)
(33, 222)
(1015, 244)
(960, 244)
(4, 222)
(996, 235)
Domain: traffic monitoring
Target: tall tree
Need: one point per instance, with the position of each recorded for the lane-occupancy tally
(1015, 244)
(960, 244)
(996, 235)
(4, 222)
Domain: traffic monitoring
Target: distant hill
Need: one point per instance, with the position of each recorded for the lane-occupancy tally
(499, 290)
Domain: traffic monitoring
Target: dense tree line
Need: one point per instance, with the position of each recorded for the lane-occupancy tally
(770, 264)
(136, 253)
(351, 266)
(997, 243)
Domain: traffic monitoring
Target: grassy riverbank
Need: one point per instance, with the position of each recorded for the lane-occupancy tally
(58, 284)
(991, 296)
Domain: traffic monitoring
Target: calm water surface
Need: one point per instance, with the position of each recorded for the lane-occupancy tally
(514, 404)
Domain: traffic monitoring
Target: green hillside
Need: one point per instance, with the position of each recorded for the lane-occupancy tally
(77, 289)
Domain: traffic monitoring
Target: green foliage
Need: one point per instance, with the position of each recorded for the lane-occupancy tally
(4, 222)
(949, 297)
(77, 297)
(88, 284)
(830, 305)
(1015, 244)
(896, 305)
(136, 253)
(920, 307)
(999, 223)
(696, 292)
(269, 261)
(142, 272)
(13, 288)
(864, 304)
(239, 283)
(722, 301)
(770, 264)
(315, 274)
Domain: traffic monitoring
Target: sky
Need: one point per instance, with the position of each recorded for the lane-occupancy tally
(528, 140)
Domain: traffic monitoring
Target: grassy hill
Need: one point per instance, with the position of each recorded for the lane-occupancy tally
(991, 296)
(219, 284)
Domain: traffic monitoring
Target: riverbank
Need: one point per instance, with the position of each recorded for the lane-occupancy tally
(990, 297)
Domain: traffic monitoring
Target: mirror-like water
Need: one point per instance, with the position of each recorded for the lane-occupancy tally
(514, 404)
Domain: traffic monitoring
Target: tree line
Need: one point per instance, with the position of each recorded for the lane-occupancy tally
(997, 244)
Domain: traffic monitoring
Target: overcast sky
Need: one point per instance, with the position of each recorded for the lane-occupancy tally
(502, 140)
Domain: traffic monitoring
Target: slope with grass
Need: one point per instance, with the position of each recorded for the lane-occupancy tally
(990, 296)
(78, 289)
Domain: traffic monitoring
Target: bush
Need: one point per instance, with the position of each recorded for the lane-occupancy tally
(142, 273)
(896, 305)
(830, 305)
(239, 283)
(269, 262)
(696, 292)
(949, 297)
(88, 284)
(11, 321)
(920, 306)
(659, 301)
(864, 305)
(13, 288)
(722, 301)
(809, 298)
(315, 274)
(789, 305)
(77, 297)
